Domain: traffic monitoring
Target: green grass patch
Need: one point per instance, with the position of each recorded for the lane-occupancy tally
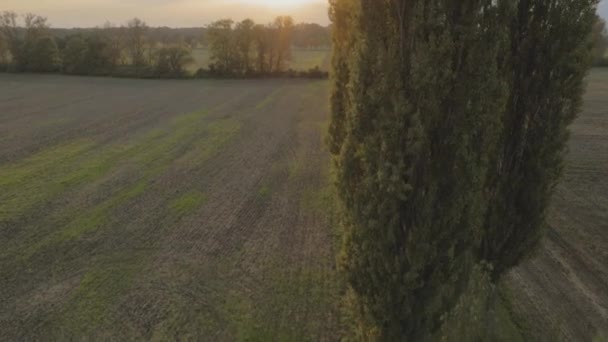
(49, 173)
(33, 166)
(218, 133)
(268, 99)
(100, 214)
(296, 167)
(294, 306)
(264, 192)
(161, 145)
(187, 203)
(601, 337)
(187, 138)
(321, 200)
(100, 288)
(88, 220)
(38, 177)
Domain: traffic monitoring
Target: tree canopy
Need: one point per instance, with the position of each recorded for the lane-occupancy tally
(449, 124)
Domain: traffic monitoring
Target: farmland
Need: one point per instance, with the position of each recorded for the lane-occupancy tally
(201, 209)
(164, 209)
(302, 59)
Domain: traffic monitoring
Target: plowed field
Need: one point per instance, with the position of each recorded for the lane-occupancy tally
(201, 210)
(164, 210)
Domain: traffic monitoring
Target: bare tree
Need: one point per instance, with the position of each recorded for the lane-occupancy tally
(263, 48)
(9, 29)
(284, 31)
(136, 42)
(116, 38)
(244, 40)
(4, 50)
(222, 45)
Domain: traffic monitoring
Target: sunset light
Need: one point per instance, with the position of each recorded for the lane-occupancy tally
(280, 3)
(304, 170)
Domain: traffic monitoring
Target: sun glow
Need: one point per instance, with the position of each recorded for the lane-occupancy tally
(280, 3)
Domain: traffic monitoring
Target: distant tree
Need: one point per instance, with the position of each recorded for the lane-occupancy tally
(4, 51)
(43, 55)
(263, 48)
(100, 57)
(151, 50)
(136, 41)
(39, 52)
(172, 60)
(116, 39)
(190, 41)
(244, 32)
(92, 55)
(10, 31)
(600, 41)
(74, 54)
(223, 47)
(283, 27)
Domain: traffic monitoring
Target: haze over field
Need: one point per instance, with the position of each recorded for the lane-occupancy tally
(173, 13)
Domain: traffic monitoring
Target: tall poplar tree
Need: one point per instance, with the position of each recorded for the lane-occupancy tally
(546, 63)
(416, 93)
(427, 106)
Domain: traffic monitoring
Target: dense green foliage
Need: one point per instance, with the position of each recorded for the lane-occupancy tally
(545, 68)
(42, 55)
(449, 120)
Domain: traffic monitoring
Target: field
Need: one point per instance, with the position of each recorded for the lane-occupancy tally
(164, 210)
(201, 210)
(302, 60)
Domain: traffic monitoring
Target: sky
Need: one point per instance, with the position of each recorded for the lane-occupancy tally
(603, 9)
(175, 13)
(172, 13)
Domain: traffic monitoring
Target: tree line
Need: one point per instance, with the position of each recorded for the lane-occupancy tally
(308, 36)
(244, 49)
(448, 132)
(600, 39)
